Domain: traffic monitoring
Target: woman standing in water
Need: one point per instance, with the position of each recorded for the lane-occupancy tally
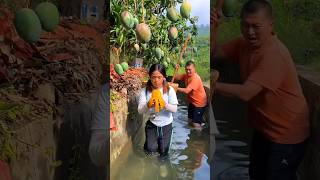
(159, 101)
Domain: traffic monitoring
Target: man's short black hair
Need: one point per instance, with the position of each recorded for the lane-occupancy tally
(188, 63)
(254, 6)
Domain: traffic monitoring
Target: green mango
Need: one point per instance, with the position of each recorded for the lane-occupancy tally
(49, 15)
(124, 66)
(158, 53)
(127, 20)
(28, 25)
(172, 14)
(118, 68)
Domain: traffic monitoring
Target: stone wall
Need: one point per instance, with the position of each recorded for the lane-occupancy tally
(128, 124)
(34, 145)
(34, 163)
(72, 137)
(310, 82)
(63, 137)
(118, 138)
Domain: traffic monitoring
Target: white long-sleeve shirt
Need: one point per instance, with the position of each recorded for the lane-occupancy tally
(164, 117)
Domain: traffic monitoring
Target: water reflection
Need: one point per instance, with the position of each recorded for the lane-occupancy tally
(189, 154)
(231, 159)
(195, 156)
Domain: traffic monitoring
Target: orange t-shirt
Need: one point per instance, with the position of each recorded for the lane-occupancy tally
(197, 96)
(280, 110)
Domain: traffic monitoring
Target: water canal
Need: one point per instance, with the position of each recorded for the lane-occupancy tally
(192, 152)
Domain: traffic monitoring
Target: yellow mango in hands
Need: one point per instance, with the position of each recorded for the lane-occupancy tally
(157, 100)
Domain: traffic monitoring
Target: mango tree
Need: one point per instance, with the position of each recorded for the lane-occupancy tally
(152, 29)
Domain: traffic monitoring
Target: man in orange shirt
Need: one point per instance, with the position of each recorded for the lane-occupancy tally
(277, 107)
(197, 97)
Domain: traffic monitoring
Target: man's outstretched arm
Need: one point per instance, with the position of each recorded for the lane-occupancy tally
(186, 90)
(244, 91)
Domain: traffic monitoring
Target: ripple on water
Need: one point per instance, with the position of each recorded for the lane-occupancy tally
(182, 157)
(222, 121)
(221, 136)
(236, 155)
(235, 143)
(234, 173)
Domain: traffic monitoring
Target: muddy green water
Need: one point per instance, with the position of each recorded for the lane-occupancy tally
(191, 154)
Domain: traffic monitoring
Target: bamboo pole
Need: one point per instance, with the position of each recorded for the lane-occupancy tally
(214, 74)
(182, 51)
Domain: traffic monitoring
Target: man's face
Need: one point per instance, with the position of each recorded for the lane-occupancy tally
(256, 28)
(190, 70)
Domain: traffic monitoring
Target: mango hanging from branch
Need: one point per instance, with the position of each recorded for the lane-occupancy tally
(172, 14)
(143, 32)
(158, 53)
(173, 33)
(135, 21)
(185, 9)
(127, 20)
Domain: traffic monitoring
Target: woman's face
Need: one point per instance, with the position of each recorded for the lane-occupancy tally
(157, 79)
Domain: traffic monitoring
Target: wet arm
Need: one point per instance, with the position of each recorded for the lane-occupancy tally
(244, 91)
(186, 90)
(192, 85)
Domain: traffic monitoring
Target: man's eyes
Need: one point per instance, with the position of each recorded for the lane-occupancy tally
(253, 26)
(258, 26)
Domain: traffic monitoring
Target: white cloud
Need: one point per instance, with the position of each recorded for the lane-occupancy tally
(201, 8)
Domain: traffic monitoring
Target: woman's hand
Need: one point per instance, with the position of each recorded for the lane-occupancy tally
(151, 103)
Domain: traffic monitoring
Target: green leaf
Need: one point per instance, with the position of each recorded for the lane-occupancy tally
(56, 164)
(12, 114)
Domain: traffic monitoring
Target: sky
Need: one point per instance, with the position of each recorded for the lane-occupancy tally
(200, 8)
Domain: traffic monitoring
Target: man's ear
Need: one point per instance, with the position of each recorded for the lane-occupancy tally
(272, 20)
(272, 23)
(272, 26)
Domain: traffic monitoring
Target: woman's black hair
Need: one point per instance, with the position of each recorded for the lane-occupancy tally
(162, 70)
